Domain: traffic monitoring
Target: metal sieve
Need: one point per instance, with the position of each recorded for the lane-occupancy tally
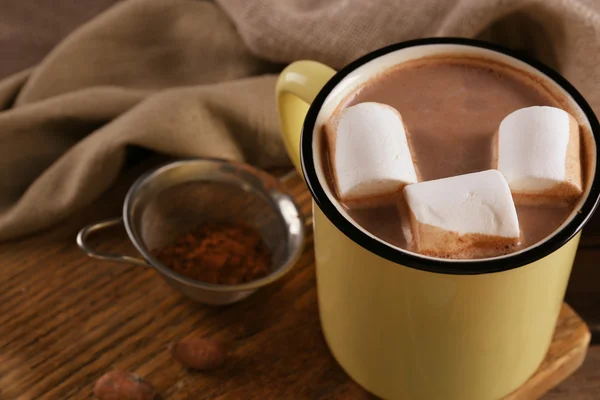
(182, 195)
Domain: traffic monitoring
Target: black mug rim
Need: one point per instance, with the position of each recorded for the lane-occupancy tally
(454, 267)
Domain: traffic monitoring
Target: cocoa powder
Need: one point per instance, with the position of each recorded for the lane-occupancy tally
(218, 252)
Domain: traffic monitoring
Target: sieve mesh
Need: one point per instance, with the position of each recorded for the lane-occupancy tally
(182, 207)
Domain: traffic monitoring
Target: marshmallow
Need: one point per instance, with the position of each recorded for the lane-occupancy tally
(465, 216)
(371, 160)
(538, 154)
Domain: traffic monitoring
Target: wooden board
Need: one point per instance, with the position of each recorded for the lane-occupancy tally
(66, 319)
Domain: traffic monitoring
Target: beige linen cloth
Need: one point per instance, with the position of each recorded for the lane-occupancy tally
(196, 78)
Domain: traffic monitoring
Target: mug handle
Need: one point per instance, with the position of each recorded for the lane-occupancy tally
(82, 237)
(296, 88)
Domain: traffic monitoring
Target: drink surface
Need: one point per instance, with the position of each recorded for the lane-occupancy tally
(452, 108)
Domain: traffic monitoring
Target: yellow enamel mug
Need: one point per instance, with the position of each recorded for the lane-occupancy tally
(406, 326)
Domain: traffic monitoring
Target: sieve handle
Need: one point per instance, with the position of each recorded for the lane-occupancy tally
(83, 235)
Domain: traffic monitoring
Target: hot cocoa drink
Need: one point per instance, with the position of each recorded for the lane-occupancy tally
(451, 118)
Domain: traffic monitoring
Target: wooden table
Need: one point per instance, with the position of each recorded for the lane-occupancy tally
(66, 319)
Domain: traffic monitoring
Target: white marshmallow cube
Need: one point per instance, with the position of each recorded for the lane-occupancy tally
(371, 159)
(464, 216)
(538, 154)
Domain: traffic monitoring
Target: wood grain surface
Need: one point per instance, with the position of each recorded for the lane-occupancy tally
(66, 319)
